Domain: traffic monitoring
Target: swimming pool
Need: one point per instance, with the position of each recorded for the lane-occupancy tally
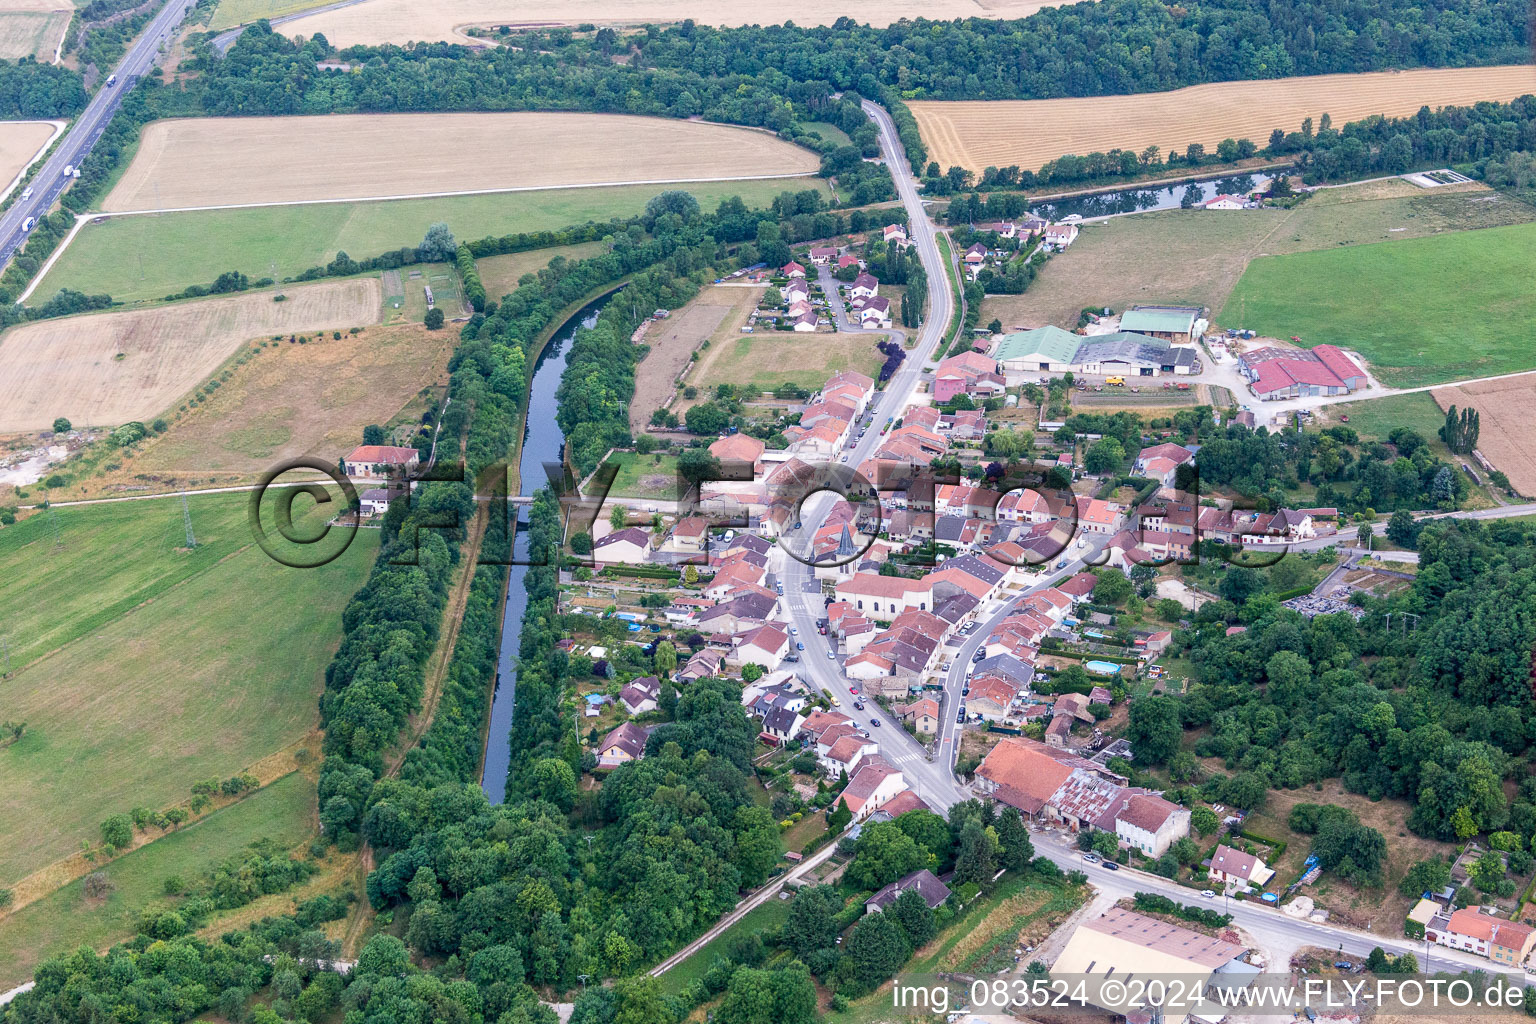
(1103, 668)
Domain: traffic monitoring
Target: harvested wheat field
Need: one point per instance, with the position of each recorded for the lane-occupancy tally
(19, 142)
(401, 21)
(32, 33)
(108, 368)
(1028, 133)
(1507, 415)
(248, 161)
(715, 316)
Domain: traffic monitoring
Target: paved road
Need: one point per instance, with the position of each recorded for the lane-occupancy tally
(82, 135)
(929, 778)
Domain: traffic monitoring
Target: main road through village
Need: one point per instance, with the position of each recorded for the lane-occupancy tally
(1276, 935)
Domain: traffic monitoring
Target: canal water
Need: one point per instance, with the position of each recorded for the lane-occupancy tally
(1140, 200)
(542, 443)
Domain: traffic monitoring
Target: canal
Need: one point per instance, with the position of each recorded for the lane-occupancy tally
(1140, 200)
(542, 443)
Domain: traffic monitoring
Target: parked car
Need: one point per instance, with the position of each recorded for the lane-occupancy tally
(799, 645)
(961, 716)
(1208, 894)
(794, 630)
(1111, 865)
(1091, 857)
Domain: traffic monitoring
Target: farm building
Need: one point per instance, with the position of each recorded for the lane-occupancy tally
(1122, 354)
(1224, 203)
(1280, 373)
(1182, 325)
(375, 461)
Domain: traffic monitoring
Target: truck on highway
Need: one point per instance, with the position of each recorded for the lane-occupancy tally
(69, 170)
(111, 81)
(26, 193)
(28, 224)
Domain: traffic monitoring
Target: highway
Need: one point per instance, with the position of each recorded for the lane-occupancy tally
(76, 144)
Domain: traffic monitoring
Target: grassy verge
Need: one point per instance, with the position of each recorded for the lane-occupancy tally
(771, 914)
(957, 298)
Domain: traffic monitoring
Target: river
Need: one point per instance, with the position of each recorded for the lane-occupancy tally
(543, 442)
(1140, 200)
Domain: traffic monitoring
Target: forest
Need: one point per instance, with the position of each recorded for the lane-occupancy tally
(1431, 706)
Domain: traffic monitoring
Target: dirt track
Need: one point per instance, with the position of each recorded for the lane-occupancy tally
(105, 369)
(1028, 133)
(1507, 418)
(215, 161)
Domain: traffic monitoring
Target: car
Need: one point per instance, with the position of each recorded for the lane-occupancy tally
(1110, 865)
(961, 716)
(799, 645)
(980, 655)
(965, 691)
(797, 524)
(853, 690)
(1091, 857)
(794, 630)
(835, 702)
(1061, 564)
(831, 654)
(858, 705)
(875, 722)
(1208, 894)
(845, 458)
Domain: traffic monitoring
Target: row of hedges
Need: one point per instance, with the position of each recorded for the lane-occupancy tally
(474, 291)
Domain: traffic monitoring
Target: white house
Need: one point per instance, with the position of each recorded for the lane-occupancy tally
(1224, 203)
(872, 786)
(884, 597)
(1150, 823)
(1229, 865)
(875, 313)
(896, 233)
(629, 546)
(865, 286)
(1061, 235)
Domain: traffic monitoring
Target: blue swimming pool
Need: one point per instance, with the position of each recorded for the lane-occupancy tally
(1103, 668)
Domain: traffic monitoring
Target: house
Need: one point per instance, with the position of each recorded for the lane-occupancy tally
(846, 753)
(884, 597)
(895, 234)
(1470, 930)
(377, 461)
(1160, 462)
(923, 714)
(1061, 235)
(641, 695)
(865, 286)
(1235, 866)
(782, 723)
(847, 260)
(1073, 705)
(765, 646)
(967, 373)
(925, 882)
(821, 255)
(629, 546)
(991, 697)
(871, 787)
(375, 500)
(622, 745)
(793, 270)
(1147, 822)
(974, 259)
(1224, 202)
(1182, 325)
(705, 663)
(740, 448)
(805, 323)
(689, 533)
(875, 313)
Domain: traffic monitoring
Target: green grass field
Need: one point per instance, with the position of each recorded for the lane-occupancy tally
(828, 131)
(1422, 311)
(242, 12)
(141, 669)
(152, 255)
(1378, 417)
(643, 476)
(499, 274)
(66, 919)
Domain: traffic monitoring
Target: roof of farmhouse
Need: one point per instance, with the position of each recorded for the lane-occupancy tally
(1154, 318)
(1050, 342)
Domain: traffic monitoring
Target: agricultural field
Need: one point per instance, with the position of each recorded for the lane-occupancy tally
(1422, 311)
(500, 274)
(1204, 252)
(32, 33)
(1507, 419)
(766, 360)
(109, 728)
(248, 161)
(104, 369)
(19, 140)
(283, 812)
(281, 241)
(242, 12)
(1029, 133)
(401, 21)
(290, 400)
(715, 316)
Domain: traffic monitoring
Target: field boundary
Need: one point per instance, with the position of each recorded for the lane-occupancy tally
(450, 195)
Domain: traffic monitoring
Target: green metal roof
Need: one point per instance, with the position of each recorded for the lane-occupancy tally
(1169, 321)
(1044, 344)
